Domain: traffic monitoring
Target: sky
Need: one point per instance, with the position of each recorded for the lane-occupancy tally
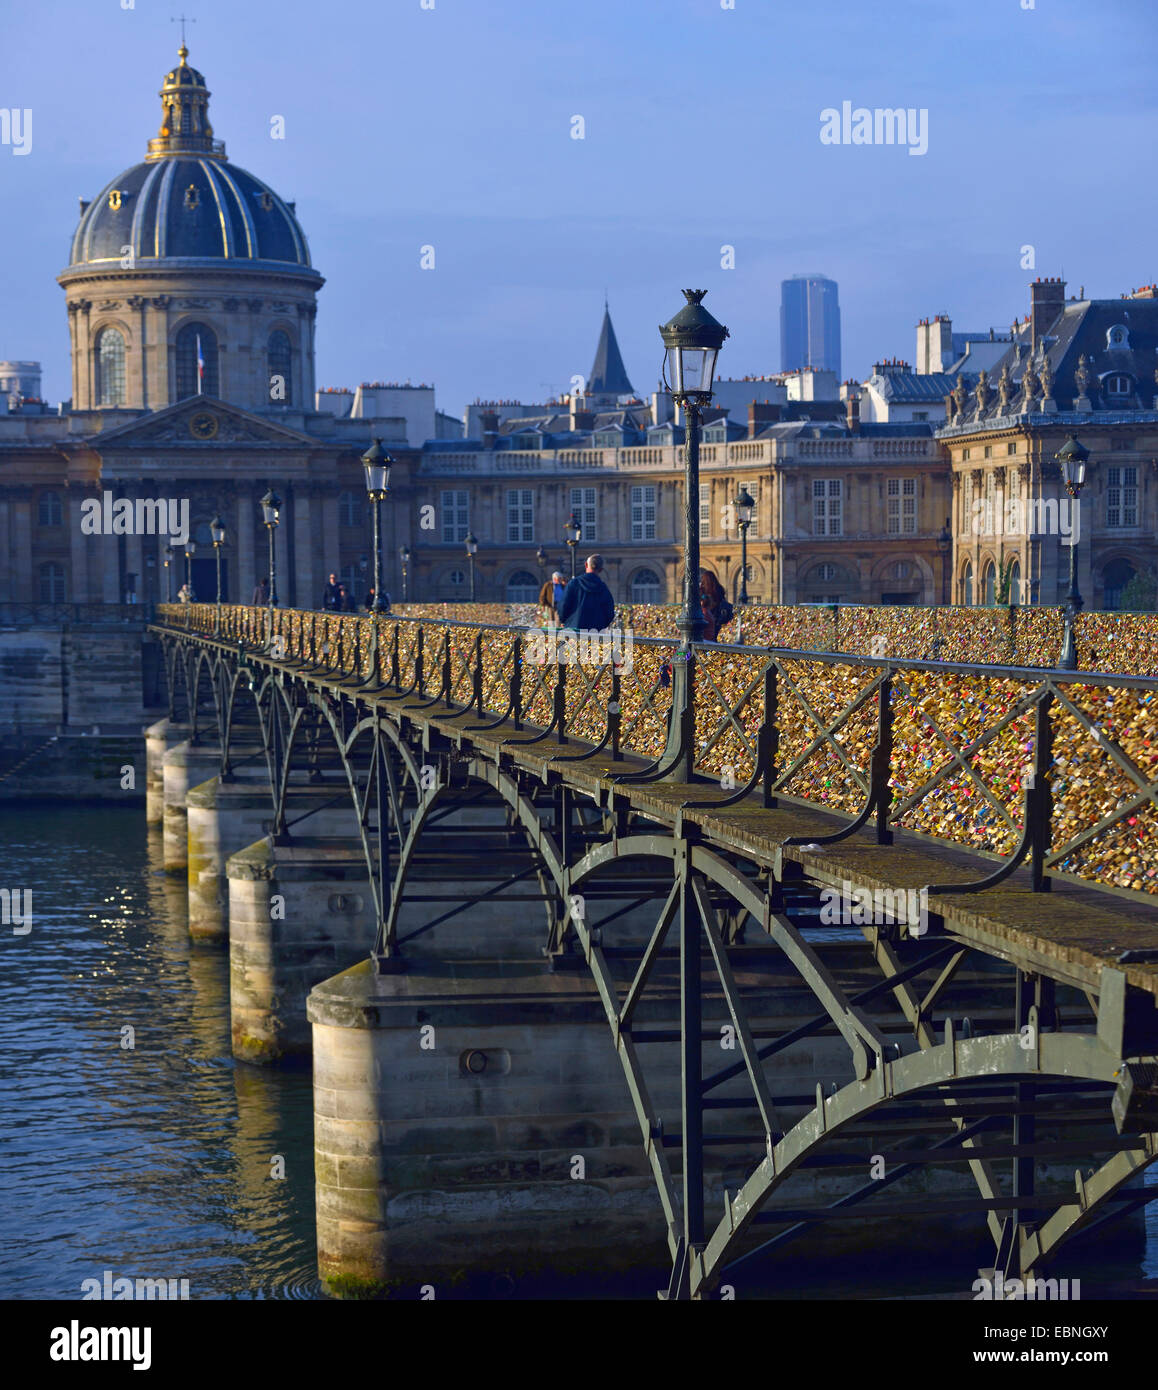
(449, 124)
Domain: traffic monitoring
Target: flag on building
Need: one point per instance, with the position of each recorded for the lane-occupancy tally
(200, 367)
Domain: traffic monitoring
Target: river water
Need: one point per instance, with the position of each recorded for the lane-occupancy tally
(131, 1142)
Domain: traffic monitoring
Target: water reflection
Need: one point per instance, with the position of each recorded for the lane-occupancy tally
(132, 1141)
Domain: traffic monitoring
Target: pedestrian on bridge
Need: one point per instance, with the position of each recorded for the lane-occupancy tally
(330, 594)
(549, 596)
(260, 594)
(587, 605)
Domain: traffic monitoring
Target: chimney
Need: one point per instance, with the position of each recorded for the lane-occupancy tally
(761, 414)
(852, 407)
(489, 421)
(1048, 301)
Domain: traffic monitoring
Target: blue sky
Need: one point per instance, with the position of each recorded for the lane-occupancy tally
(451, 127)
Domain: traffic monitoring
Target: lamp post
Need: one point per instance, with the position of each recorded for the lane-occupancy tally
(270, 510)
(404, 556)
(190, 551)
(944, 545)
(692, 341)
(1072, 457)
(574, 533)
(377, 463)
(542, 557)
(217, 532)
(170, 556)
(471, 552)
(745, 505)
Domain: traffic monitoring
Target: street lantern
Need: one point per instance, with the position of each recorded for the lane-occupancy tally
(404, 556)
(692, 339)
(574, 534)
(471, 552)
(377, 463)
(945, 545)
(190, 551)
(542, 557)
(217, 532)
(271, 513)
(1072, 458)
(745, 505)
(171, 552)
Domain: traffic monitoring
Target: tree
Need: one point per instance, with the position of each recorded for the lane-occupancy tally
(1140, 595)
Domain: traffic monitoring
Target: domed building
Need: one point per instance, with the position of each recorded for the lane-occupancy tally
(189, 276)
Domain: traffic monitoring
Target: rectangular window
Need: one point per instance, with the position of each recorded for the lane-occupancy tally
(1121, 496)
(583, 505)
(826, 500)
(1011, 448)
(643, 513)
(902, 499)
(705, 510)
(520, 514)
(988, 525)
(754, 494)
(455, 516)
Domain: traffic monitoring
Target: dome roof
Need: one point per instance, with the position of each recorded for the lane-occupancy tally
(185, 201)
(188, 208)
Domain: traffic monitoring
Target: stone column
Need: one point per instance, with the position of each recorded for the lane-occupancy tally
(27, 585)
(183, 766)
(298, 913)
(246, 579)
(134, 557)
(159, 738)
(158, 369)
(308, 588)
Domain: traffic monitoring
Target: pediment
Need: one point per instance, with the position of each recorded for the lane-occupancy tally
(201, 420)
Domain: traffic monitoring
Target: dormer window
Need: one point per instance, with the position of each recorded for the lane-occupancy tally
(1118, 337)
(1118, 387)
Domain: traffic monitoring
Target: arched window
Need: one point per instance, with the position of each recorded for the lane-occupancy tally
(1115, 577)
(1015, 583)
(349, 509)
(967, 584)
(522, 587)
(989, 585)
(1119, 386)
(280, 353)
(110, 367)
(645, 587)
(196, 361)
(51, 583)
(48, 510)
(457, 579)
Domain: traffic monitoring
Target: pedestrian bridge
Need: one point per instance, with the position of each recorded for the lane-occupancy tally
(866, 940)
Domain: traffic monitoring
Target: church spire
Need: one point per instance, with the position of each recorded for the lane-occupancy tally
(608, 375)
(185, 127)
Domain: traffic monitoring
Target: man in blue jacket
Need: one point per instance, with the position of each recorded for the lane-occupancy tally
(587, 604)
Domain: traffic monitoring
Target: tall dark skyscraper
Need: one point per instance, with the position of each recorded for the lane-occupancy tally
(809, 324)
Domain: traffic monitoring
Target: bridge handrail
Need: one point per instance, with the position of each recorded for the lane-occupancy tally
(965, 753)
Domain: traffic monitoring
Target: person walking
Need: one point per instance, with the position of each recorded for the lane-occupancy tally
(718, 612)
(549, 596)
(260, 594)
(330, 593)
(345, 601)
(183, 594)
(587, 605)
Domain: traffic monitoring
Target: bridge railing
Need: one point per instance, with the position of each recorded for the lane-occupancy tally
(1055, 767)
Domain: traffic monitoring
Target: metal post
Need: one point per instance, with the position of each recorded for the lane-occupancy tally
(376, 507)
(743, 563)
(471, 559)
(691, 1096)
(572, 546)
(681, 730)
(217, 623)
(404, 598)
(1068, 660)
(189, 576)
